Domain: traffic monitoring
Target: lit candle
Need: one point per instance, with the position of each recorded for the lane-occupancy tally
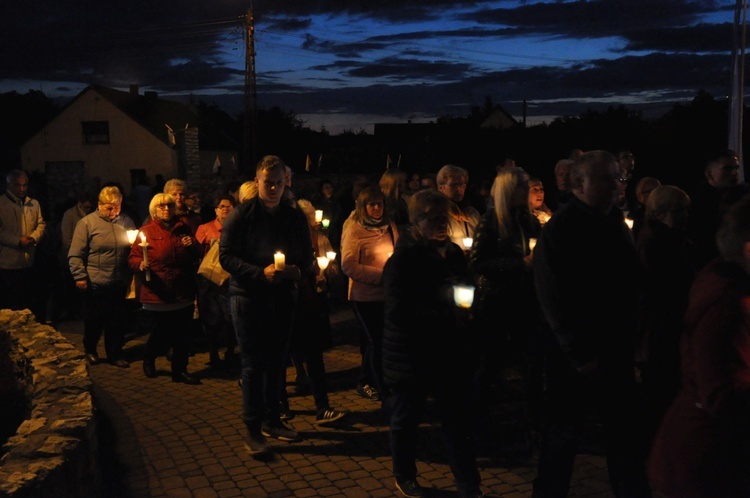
(532, 244)
(322, 263)
(326, 222)
(463, 295)
(318, 215)
(132, 235)
(144, 245)
(468, 242)
(331, 255)
(629, 223)
(279, 260)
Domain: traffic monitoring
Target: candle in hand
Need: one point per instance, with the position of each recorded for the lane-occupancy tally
(318, 216)
(532, 244)
(132, 235)
(629, 223)
(326, 223)
(144, 245)
(322, 263)
(279, 260)
(331, 255)
(468, 242)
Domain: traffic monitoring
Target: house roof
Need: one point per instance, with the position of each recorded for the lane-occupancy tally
(148, 110)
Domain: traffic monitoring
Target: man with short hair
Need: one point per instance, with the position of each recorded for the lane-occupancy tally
(722, 177)
(586, 273)
(21, 228)
(263, 296)
(452, 181)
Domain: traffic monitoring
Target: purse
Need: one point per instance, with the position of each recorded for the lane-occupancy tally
(210, 268)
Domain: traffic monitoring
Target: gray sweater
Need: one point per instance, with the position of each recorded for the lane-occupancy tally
(99, 251)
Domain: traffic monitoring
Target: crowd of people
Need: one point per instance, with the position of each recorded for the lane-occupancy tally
(609, 296)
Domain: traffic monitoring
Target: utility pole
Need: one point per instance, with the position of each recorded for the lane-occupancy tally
(251, 96)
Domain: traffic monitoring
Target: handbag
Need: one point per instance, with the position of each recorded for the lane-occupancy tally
(210, 268)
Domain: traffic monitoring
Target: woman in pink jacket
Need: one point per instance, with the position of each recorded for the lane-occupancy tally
(168, 285)
(367, 242)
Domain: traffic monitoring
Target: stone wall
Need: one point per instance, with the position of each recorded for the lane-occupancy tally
(52, 454)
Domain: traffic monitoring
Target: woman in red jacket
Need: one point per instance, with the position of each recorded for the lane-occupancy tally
(702, 449)
(168, 284)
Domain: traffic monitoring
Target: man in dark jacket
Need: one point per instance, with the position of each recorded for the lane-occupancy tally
(586, 273)
(266, 247)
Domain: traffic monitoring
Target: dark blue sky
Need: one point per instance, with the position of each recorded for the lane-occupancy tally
(348, 64)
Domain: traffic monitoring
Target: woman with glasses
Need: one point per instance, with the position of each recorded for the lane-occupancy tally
(168, 284)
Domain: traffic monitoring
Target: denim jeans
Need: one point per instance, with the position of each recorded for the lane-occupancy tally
(263, 326)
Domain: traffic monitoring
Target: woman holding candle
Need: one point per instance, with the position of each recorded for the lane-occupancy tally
(536, 201)
(169, 255)
(426, 347)
(501, 259)
(368, 240)
(98, 259)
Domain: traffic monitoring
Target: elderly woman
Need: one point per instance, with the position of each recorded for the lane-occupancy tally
(368, 240)
(212, 299)
(98, 259)
(168, 285)
(425, 344)
(536, 201)
(702, 449)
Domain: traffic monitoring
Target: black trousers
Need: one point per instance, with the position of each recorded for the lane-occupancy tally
(105, 310)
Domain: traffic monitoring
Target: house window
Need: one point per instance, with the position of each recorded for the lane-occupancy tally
(95, 132)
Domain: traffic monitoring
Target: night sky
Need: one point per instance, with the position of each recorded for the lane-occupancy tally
(348, 64)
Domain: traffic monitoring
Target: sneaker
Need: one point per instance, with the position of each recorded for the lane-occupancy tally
(410, 488)
(256, 444)
(327, 416)
(281, 432)
(285, 413)
(369, 392)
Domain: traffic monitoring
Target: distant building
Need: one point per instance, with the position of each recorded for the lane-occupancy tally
(109, 135)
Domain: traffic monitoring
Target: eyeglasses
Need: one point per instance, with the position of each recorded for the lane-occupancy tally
(625, 179)
(169, 205)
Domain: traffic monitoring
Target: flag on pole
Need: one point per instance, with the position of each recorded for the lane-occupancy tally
(217, 165)
(308, 162)
(736, 99)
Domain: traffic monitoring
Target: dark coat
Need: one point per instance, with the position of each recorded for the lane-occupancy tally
(702, 449)
(425, 334)
(498, 262)
(251, 236)
(586, 271)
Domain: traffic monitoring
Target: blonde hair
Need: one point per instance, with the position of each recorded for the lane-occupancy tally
(392, 183)
(665, 199)
(174, 183)
(506, 182)
(110, 195)
(248, 190)
(160, 198)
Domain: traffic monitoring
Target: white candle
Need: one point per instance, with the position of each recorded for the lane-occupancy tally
(318, 215)
(322, 263)
(331, 255)
(144, 245)
(326, 223)
(132, 235)
(463, 295)
(468, 242)
(532, 244)
(629, 223)
(279, 260)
